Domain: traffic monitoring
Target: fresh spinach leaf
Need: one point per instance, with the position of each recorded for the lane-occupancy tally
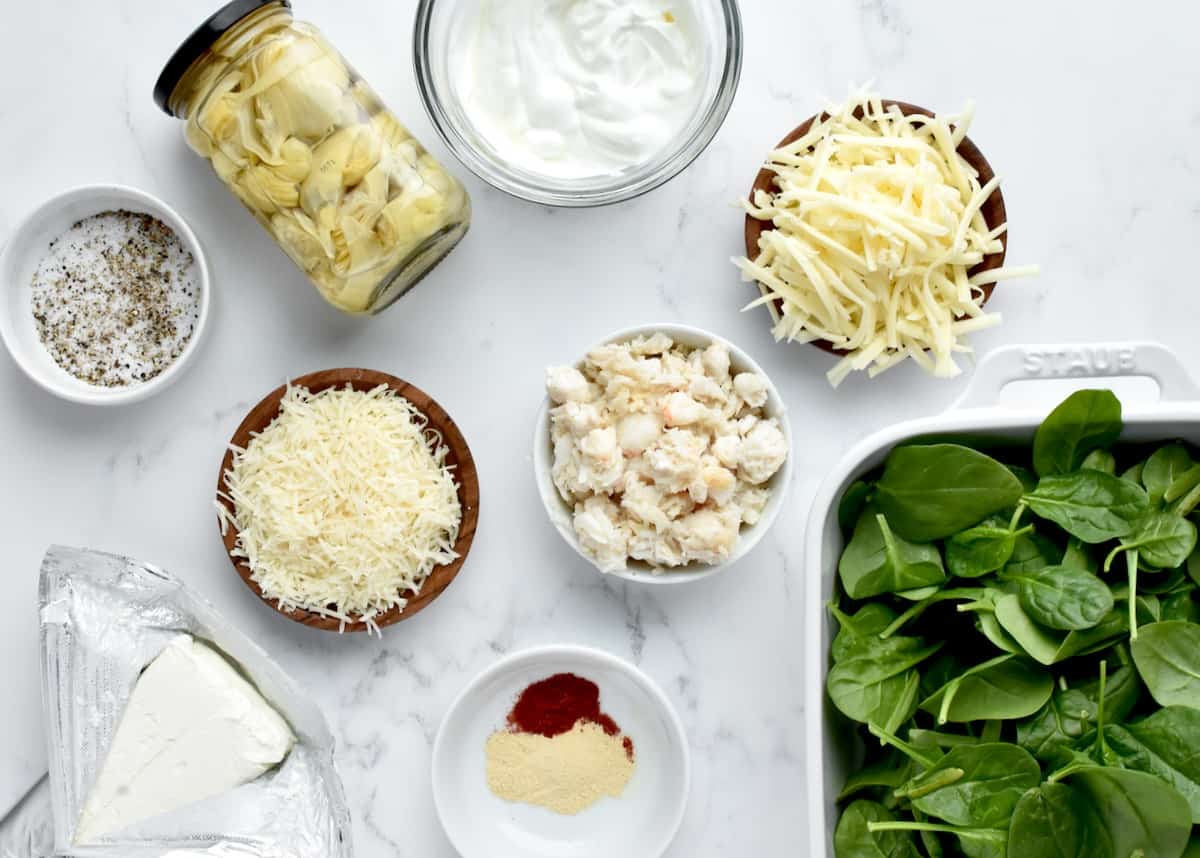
(889, 701)
(920, 594)
(974, 785)
(1090, 505)
(1182, 606)
(1004, 687)
(1050, 647)
(888, 774)
(991, 629)
(1062, 597)
(853, 838)
(933, 491)
(1134, 473)
(870, 620)
(877, 561)
(854, 501)
(1183, 485)
(1121, 748)
(1167, 655)
(1055, 821)
(1027, 477)
(1086, 420)
(1073, 711)
(1100, 460)
(1033, 551)
(875, 681)
(1142, 814)
(1041, 644)
(1078, 555)
(1171, 736)
(1162, 540)
(978, 550)
(1165, 466)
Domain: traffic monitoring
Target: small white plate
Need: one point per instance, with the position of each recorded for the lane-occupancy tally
(28, 245)
(639, 824)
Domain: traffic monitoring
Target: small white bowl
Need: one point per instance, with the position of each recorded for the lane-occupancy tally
(639, 824)
(560, 511)
(28, 245)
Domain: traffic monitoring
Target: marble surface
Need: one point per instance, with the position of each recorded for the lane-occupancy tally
(1092, 119)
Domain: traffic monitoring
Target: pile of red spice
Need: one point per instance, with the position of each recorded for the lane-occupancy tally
(554, 705)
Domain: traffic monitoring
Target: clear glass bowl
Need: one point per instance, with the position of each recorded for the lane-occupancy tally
(439, 23)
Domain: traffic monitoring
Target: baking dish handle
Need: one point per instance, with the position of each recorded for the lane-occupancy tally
(1007, 364)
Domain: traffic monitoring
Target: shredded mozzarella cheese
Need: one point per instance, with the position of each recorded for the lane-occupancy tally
(344, 503)
(877, 222)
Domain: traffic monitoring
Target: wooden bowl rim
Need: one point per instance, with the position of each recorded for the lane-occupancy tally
(993, 209)
(465, 470)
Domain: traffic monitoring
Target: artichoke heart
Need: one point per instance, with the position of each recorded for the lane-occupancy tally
(357, 247)
(297, 235)
(275, 190)
(219, 118)
(323, 186)
(224, 167)
(295, 160)
(390, 130)
(367, 200)
(364, 155)
(307, 95)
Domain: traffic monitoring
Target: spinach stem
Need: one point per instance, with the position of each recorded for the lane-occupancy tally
(1132, 559)
(1067, 770)
(1016, 519)
(920, 607)
(994, 834)
(984, 604)
(948, 695)
(838, 614)
(899, 744)
(944, 778)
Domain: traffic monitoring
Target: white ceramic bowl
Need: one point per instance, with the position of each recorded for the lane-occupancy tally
(27, 246)
(639, 824)
(1043, 374)
(560, 511)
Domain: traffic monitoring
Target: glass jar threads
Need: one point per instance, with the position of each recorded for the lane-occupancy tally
(348, 194)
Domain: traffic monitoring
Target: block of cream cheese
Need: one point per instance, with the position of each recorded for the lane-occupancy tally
(193, 728)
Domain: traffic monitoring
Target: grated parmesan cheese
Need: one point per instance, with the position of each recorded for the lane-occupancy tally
(877, 222)
(343, 503)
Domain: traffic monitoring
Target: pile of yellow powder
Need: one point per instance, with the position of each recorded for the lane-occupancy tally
(567, 773)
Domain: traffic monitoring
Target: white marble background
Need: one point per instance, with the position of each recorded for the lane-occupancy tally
(1090, 113)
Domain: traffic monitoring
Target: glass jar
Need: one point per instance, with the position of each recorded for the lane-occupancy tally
(290, 128)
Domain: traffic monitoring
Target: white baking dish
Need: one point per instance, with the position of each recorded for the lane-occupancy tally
(1174, 412)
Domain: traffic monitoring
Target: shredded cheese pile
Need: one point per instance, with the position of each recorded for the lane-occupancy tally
(877, 222)
(343, 503)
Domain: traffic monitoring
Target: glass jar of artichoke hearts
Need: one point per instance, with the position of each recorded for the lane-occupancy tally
(307, 146)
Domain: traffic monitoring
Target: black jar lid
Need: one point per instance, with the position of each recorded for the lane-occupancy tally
(200, 41)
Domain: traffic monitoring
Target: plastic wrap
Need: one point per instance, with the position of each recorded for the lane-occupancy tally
(103, 619)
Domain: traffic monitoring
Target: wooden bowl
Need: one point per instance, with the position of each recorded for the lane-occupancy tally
(992, 209)
(459, 458)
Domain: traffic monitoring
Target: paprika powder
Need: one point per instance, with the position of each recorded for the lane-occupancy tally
(554, 705)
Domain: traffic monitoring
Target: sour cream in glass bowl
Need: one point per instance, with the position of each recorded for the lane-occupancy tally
(577, 102)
